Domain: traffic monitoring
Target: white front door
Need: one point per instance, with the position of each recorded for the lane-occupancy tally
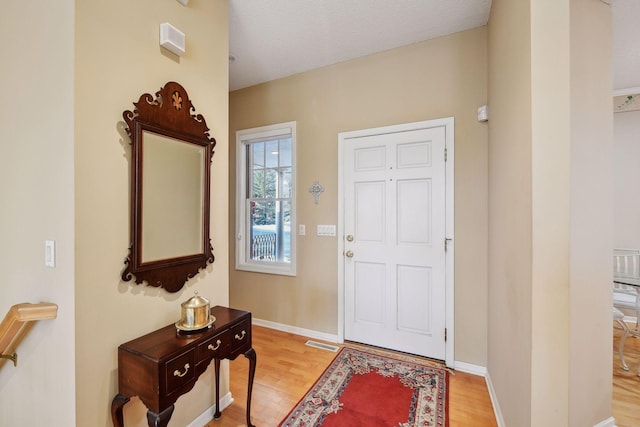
(395, 229)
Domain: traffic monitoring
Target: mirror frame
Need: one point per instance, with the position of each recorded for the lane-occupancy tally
(167, 114)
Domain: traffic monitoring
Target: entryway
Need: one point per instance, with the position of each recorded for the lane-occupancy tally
(396, 251)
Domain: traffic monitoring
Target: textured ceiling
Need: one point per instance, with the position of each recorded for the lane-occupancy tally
(276, 38)
(271, 39)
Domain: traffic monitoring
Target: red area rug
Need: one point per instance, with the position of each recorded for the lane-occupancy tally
(367, 389)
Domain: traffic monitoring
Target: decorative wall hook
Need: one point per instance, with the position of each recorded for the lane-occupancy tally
(316, 189)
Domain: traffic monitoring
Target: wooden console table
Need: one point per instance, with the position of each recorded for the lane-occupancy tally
(161, 366)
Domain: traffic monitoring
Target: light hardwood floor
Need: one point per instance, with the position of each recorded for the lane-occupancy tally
(287, 368)
(626, 384)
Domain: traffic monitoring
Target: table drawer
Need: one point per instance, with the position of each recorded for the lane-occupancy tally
(241, 334)
(179, 371)
(214, 347)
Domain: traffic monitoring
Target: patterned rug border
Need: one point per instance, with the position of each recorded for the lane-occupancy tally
(391, 354)
(376, 351)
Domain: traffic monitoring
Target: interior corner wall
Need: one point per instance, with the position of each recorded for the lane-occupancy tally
(117, 59)
(510, 215)
(433, 79)
(36, 204)
(591, 213)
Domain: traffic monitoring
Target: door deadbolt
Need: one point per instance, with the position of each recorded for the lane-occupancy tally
(349, 238)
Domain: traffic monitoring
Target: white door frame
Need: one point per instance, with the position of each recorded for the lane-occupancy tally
(343, 138)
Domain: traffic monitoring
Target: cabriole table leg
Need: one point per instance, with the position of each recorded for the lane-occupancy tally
(217, 414)
(251, 355)
(116, 409)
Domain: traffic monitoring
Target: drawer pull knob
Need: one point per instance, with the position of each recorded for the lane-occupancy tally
(240, 337)
(177, 373)
(212, 348)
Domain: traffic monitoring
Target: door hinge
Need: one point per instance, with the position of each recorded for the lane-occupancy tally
(445, 334)
(445, 154)
(446, 244)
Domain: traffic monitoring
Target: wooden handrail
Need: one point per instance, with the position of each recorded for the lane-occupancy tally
(15, 325)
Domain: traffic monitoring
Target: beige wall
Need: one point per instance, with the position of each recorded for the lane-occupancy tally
(509, 299)
(550, 215)
(626, 178)
(434, 79)
(550, 211)
(591, 213)
(117, 59)
(36, 204)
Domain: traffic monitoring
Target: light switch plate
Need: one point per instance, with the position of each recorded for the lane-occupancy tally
(326, 230)
(50, 253)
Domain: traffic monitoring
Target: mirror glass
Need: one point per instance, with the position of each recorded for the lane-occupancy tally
(172, 190)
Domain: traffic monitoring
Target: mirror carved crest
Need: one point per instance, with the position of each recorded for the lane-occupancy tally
(171, 153)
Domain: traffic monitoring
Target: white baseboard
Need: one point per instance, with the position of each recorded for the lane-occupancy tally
(494, 401)
(470, 369)
(207, 415)
(609, 422)
(295, 330)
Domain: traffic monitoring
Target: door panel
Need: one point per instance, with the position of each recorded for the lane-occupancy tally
(370, 203)
(414, 292)
(369, 292)
(414, 212)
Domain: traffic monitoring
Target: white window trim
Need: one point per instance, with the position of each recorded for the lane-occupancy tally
(243, 137)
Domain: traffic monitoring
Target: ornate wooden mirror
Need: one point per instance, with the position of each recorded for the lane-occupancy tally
(171, 153)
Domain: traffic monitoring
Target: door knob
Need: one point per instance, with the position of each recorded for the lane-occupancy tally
(349, 254)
